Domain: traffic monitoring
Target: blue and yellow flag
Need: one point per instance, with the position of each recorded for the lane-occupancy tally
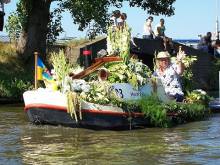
(44, 74)
(40, 69)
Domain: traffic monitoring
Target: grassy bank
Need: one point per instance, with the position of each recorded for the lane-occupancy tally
(15, 78)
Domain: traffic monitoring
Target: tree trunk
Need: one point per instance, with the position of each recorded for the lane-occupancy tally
(35, 37)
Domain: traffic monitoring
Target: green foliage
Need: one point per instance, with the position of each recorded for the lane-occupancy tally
(61, 66)
(187, 75)
(13, 27)
(163, 7)
(198, 96)
(154, 110)
(17, 21)
(14, 78)
(118, 41)
(166, 115)
(186, 111)
(54, 25)
(98, 93)
(14, 88)
(135, 72)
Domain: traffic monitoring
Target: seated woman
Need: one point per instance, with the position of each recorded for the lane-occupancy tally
(160, 34)
(169, 74)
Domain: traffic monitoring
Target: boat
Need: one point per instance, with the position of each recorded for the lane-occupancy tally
(214, 105)
(129, 80)
(48, 107)
(44, 106)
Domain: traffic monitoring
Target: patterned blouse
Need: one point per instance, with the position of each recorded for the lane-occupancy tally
(170, 80)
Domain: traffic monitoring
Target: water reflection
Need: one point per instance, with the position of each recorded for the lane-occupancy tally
(23, 143)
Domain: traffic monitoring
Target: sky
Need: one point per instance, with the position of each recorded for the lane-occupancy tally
(192, 17)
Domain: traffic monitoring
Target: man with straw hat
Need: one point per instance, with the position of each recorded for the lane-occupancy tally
(169, 74)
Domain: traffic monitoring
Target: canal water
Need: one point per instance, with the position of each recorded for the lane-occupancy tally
(24, 143)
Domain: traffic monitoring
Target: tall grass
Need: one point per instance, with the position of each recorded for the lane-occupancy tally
(7, 49)
(14, 77)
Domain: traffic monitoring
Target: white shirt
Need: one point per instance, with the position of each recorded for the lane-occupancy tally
(147, 28)
(114, 21)
(170, 80)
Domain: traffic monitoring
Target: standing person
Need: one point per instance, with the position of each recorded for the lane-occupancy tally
(208, 42)
(169, 74)
(148, 32)
(160, 34)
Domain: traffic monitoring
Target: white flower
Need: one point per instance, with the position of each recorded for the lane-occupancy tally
(200, 91)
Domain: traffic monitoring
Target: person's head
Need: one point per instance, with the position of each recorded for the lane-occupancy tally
(123, 16)
(162, 21)
(209, 34)
(163, 59)
(116, 13)
(150, 18)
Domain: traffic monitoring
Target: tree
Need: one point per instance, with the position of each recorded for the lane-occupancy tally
(85, 13)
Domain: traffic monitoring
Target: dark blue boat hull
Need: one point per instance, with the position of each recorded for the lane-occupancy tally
(90, 119)
(214, 105)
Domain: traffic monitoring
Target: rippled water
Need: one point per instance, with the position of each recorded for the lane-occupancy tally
(23, 143)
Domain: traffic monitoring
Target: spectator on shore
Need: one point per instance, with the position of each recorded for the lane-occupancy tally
(216, 47)
(148, 32)
(169, 74)
(160, 34)
(206, 43)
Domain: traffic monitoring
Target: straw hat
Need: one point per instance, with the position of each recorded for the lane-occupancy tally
(164, 54)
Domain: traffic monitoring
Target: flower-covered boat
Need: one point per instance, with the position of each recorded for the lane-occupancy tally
(114, 92)
(46, 106)
(50, 107)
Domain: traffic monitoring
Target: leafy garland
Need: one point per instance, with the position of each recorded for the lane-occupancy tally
(167, 114)
(187, 74)
(135, 73)
(61, 67)
(118, 41)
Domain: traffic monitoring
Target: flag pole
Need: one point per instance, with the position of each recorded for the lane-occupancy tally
(35, 69)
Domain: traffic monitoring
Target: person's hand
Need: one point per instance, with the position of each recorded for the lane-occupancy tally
(180, 55)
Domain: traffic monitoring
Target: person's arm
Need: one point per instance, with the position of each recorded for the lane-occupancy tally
(179, 65)
(156, 31)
